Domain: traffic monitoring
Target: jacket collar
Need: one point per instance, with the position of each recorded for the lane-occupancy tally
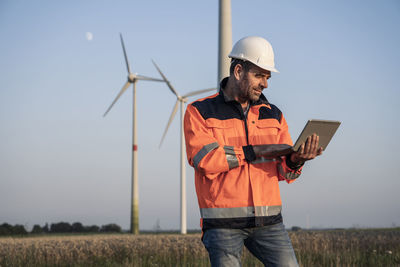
(222, 85)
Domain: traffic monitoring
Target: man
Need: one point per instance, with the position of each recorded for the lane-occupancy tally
(239, 146)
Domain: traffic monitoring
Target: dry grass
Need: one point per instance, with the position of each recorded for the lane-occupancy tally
(104, 250)
(313, 248)
(347, 247)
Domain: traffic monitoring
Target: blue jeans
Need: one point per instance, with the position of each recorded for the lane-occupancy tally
(270, 244)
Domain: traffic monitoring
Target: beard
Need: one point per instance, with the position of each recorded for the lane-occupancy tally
(254, 94)
(249, 91)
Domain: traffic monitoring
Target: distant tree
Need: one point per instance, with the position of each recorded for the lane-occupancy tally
(296, 228)
(61, 227)
(92, 229)
(112, 227)
(46, 228)
(5, 229)
(77, 227)
(19, 229)
(37, 229)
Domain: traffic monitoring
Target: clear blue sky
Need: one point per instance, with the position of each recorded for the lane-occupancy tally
(60, 160)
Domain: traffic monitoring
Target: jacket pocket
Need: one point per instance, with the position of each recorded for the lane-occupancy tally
(267, 132)
(220, 124)
(268, 127)
(227, 132)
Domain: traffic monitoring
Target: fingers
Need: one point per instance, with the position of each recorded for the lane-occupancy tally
(308, 144)
(318, 149)
(308, 150)
(314, 145)
(311, 148)
(301, 150)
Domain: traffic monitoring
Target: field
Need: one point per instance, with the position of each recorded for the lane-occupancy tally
(313, 248)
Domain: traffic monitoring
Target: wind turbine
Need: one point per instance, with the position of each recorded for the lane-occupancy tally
(132, 79)
(180, 100)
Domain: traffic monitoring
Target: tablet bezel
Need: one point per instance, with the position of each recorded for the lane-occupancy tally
(325, 129)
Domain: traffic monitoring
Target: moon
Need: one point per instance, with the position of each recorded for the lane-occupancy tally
(89, 36)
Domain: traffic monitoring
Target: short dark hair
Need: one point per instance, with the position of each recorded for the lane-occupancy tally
(245, 64)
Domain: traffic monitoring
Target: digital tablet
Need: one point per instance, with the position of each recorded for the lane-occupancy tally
(323, 128)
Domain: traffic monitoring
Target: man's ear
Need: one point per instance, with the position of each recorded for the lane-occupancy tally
(238, 71)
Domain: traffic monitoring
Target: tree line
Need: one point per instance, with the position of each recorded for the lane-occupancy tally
(60, 227)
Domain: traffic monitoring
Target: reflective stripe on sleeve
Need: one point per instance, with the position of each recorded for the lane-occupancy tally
(231, 157)
(203, 152)
(219, 213)
(287, 175)
(262, 160)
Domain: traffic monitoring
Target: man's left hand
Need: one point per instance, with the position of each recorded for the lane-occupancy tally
(307, 151)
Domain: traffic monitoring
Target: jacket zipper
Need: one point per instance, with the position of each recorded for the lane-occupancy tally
(244, 118)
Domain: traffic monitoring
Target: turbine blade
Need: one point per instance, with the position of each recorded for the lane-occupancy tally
(171, 118)
(119, 94)
(145, 78)
(165, 80)
(126, 57)
(199, 92)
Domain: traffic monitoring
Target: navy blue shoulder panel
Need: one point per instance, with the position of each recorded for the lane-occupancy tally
(273, 113)
(216, 108)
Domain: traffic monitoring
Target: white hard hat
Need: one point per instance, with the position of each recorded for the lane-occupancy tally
(255, 49)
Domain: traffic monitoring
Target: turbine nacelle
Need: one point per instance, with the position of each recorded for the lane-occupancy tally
(132, 77)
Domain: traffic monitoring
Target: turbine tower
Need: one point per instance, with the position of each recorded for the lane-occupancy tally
(180, 100)
(224, 39)
(132, 79)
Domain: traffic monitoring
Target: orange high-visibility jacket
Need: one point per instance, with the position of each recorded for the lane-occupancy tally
(235, 189)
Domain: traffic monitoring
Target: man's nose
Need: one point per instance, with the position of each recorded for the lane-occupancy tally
(264, 83)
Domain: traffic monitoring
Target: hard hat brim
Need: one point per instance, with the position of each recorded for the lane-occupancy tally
(264, 67)
(273, 69)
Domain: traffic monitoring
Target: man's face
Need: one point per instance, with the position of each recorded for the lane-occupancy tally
(252, 83)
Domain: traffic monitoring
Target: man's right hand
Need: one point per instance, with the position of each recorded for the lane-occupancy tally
(272, 151)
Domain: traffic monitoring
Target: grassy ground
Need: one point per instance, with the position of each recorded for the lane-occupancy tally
(373, 247)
